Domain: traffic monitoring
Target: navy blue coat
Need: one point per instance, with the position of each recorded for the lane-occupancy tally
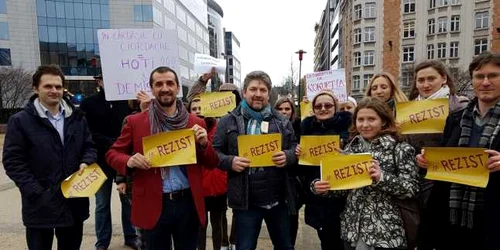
(37, 161)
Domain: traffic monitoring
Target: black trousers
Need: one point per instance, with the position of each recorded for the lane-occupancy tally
(68, 238)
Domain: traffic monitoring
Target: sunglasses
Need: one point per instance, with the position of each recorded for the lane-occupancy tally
(320, 106)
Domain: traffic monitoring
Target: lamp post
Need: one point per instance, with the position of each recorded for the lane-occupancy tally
(300, 52)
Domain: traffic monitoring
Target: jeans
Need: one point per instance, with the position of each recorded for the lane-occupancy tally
(103, 226)
(68, 238)
(218, 221)
(248, 225)
(178, 221)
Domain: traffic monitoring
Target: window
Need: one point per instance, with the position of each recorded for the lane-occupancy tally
(366, 80)
(442, 3)
(357, 58)
(409, 29)
(406, 78)
(357, 36)
(408, 54)
(356, 81)
(369, 57)
(442, 23)
(480, 45)
(431, 26)
(357, 12)
(454, 2)
(409, 6)
(369, 10)
(455, 23)
(370, 34)
(432, 4)
(143, 13)
(4, 31)
(5, 57)
(430, 51)
(3, 10)
(453, 49)
(441, 50)
(482, 20)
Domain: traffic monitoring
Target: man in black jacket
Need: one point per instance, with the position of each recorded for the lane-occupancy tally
(468, 217)
(45, 143)
(257, 194)
(105, 120)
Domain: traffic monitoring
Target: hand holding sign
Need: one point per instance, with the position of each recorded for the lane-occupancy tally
(298, 150)
(240, 163)
(421, 161)
(374, 171)
(200, 135)
(84, 183)
(279, 159)
(82, 167)
(321, 187)
(493, 162)
(138, 161)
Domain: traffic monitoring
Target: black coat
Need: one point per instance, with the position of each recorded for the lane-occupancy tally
(37, 161)
(105, 119)
(323, 211)
(225, 144)
(438, 202)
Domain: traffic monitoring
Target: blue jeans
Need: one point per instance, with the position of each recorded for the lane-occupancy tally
(103, 225)
(248, 224)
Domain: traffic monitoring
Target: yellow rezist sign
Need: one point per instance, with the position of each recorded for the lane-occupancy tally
(315, 148)
(259, 149)
(305, 110)
(422, 117)
(170, 148)
(459, 165)
(346, 171)
(217, 104)
(85, 184)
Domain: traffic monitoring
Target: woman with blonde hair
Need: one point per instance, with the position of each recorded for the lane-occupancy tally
(383, 86)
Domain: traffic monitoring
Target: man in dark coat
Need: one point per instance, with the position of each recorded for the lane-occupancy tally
(45, 143)
(257, 194)
(105, 120)
(467, 217)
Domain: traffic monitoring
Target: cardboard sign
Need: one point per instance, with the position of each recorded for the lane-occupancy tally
(172, 148)
(259, 149)
(85, 185)
(332, 80)
(217, 104)
(422, 117)
(305, 110)
(204, 64)
(129, 55)
(459, 165)
(346, 171)
(315, 148)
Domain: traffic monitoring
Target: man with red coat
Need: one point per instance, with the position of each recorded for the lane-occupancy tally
(166, 202)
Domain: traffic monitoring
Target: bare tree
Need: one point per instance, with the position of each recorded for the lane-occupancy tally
(463, 83)
(15, 87)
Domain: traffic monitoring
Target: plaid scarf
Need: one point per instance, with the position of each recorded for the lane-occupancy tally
(161, 122)
(465, 200)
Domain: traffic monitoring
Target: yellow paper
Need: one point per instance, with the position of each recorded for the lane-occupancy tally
(422, 117)
(305, 110)
(459, 165)
(172, 148)
(84, 185)
(315, 148)
(259, 149)
(346, 171)
(217, 104)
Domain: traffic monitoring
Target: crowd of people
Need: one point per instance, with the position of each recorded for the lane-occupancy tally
(169, 207)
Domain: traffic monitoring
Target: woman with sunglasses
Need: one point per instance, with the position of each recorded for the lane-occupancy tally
(323, 213)
(371, 220)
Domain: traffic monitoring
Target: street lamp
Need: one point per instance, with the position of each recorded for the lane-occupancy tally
(300, 52)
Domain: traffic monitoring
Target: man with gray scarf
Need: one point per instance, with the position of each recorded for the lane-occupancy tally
(468, 217)
(257, 194)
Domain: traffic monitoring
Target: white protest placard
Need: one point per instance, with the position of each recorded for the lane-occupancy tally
(333, 80)
(128, 56)
(204, 64)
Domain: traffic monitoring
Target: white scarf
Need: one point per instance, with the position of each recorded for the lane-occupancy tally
(443, 92)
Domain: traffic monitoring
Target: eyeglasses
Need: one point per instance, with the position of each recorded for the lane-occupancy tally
(320, 106)
(490, 76)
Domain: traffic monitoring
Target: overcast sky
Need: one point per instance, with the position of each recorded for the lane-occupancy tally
(271, 31)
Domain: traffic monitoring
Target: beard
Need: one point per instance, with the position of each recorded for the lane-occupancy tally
(166, 100)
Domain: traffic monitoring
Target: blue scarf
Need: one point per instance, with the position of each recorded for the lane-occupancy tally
(255, 118)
